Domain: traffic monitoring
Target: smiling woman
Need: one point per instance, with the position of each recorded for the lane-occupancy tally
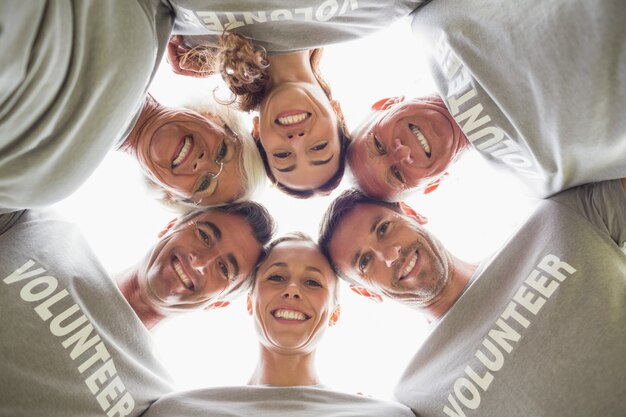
(293, 302)
(202, 157)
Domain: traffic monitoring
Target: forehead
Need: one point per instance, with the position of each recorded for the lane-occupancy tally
(298, 252)
(354, 230)
(232, 226)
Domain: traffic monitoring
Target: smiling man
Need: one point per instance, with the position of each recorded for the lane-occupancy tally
(510, 333)
(533, 94)
(75, 343)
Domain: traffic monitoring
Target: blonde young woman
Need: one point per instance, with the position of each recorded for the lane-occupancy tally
(293, 302)
(269, 57)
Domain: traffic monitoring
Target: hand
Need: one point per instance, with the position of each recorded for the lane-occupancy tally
(183, 62)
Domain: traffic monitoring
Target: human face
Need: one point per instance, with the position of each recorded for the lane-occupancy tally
(297, 127)
(392, 254)
(404, 147)
(293, 299)
(199, 261)
(184, 151)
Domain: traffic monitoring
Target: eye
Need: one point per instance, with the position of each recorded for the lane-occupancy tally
(224, 270)
(382, 229)
(364, 262)
(206, 181)
(276, 278)
(313, 283)
(221, 152)
(319, 147)
(395, 171)
(205, 237)
(282, 155)
(379, 146)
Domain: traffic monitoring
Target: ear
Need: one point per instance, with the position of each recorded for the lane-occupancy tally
(432, 186)
(385, 103)
(249, 304)
(406, 209)
(366, 293)
(167, 228)
(255, 128)
(216, 305)
(334, 316)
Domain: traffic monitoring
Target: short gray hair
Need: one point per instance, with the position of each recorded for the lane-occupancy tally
(253, 171)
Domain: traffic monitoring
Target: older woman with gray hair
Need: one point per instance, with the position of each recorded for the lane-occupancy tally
(200, 154)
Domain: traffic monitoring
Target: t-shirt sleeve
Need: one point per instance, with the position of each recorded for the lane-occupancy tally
(603, 204)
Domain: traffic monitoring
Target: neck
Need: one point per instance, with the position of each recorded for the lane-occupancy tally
(128, 284)
(291, 67)
(460, 275)
(280, 369)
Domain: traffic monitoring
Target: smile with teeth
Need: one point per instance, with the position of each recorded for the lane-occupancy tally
(290, 315)
(183, 151)
(409, 267)
(421, 139)
(181, 274)
(293, 119)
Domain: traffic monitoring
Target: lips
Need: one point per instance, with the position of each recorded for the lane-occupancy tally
(291, 119)
(289, 314)
(409, 265)
(421, 139)
(183, 151)
(178, 268)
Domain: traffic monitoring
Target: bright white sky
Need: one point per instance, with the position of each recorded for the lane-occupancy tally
(472, 213)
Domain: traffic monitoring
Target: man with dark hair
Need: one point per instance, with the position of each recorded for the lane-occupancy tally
(75, 343)
(509, 334)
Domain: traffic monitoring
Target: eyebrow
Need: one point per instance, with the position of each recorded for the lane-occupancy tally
(313, 269)
(356, 257)
(322, 162)
(216, 230)
(288, 169)
(233, 261)
(314, 163)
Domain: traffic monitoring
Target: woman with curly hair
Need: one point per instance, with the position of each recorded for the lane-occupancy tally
(270, 61)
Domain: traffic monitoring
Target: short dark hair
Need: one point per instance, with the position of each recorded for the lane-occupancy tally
(256, 215)
(324, 189)
(338, 210)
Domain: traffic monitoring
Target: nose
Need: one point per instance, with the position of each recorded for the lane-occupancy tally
(202, 260)
(388, 254)
(201, 163)
(401, 152)
(293, 134)
(292, 291)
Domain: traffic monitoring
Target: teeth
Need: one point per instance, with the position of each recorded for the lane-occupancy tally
(289, 315)
(181, 274)
(292, 119)
(421, 138)
(182, 153)
(410, 266)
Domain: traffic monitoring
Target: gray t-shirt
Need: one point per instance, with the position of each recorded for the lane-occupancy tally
(76, 72)
(268, 401)
(286, 26)
(70, 344)
(539, 87)
(541, 329)
(72, 79)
